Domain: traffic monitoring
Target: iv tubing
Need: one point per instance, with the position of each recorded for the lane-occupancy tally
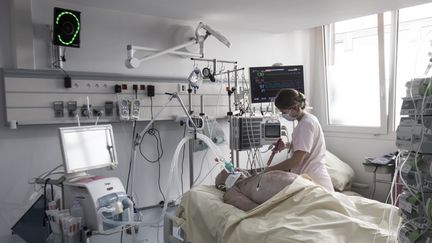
(174, 164)
(114, 222)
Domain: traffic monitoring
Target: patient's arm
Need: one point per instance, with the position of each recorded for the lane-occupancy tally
(234, 197)
(262, 187)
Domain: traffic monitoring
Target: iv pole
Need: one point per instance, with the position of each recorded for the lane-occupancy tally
(139, 136)
(230, 91)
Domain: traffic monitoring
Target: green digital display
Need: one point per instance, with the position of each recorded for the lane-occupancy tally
(67, 27)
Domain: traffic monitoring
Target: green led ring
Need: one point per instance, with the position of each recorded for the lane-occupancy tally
(76, 32)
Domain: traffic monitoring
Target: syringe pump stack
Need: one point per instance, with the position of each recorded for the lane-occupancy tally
(414, 139)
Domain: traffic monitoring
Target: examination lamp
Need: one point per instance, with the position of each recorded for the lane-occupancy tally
(216, 34)
(134, 62)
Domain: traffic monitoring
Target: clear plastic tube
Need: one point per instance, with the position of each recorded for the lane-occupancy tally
(115, 222)
(211, 129)
(174, 164)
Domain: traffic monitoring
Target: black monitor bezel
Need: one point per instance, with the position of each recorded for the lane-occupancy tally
(271, 99)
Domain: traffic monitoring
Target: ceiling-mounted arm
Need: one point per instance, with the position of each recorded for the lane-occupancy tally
(133, 62)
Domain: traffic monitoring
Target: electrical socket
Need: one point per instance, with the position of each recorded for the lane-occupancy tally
(182, 88)
(123, 108)
(135, 109)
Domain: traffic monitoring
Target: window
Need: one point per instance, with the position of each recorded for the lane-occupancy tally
(414, 46)
(355, 74)
(362, 68)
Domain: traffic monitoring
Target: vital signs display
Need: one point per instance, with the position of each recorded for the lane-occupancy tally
(267, 81)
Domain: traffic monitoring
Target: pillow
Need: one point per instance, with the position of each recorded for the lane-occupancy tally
(340, 172)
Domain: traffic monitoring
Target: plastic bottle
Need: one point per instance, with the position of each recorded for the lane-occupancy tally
(77, 211)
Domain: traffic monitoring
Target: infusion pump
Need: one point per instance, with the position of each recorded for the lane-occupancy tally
(412, 135)
(415, 106)
(253, 132)
(270, 131)
(414, 139)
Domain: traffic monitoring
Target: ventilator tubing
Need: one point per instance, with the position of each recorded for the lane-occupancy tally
(115, 222)
(174, 163)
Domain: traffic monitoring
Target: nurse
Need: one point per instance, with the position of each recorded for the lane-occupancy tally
(308, 143)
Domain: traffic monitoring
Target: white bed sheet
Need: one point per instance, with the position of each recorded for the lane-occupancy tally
(302, 212)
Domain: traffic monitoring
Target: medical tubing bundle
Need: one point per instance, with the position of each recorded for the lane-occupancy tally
(136, 142)
(421, 141)
(211, 129)
(174, 164)
(221, 160)
(420, 196)
(202, 180)
(115, 222)
(390, 194)
(392, 210)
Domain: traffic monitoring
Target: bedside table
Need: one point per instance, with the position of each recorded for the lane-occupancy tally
(387, 169)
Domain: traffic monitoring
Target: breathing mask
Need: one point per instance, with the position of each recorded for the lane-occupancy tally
(231, 179)
(288, 117)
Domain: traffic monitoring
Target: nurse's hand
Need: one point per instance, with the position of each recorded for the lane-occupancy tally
(279, 145)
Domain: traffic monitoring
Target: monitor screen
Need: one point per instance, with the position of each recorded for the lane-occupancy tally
(267, 81)
(87, 147)
(272, 130)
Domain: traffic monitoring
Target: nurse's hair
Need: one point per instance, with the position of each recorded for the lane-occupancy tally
(289, 98)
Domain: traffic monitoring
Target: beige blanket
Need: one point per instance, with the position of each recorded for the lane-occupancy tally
(301, 212)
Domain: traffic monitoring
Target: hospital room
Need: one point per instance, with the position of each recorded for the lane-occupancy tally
(157, 121)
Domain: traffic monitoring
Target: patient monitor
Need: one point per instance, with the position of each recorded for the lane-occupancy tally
(103, 200)
(253, 132)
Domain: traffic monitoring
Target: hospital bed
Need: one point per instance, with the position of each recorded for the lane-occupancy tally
(302, 212)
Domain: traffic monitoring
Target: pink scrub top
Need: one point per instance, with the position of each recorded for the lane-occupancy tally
(308, 137)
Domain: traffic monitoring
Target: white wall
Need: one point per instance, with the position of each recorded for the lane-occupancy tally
(353, 150)
(106, 33)
(29, 151)
(5, 37)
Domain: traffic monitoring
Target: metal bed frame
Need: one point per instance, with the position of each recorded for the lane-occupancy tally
(168, 230)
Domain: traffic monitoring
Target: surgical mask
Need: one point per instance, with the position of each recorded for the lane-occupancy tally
(288, 117)
(231, 179)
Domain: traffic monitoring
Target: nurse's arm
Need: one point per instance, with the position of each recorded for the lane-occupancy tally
(295, 160)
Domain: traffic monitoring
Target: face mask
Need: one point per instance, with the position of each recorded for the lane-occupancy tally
(231, 179)
(288, 117)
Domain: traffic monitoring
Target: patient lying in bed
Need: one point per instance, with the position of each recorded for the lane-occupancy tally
(250, 191)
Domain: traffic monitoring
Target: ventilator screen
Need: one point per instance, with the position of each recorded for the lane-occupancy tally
(87, 147)
(67, 27)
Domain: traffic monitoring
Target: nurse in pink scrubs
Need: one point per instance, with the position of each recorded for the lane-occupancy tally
(307, 144)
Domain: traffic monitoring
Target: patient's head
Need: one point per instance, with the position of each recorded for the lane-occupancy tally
(221, 178)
